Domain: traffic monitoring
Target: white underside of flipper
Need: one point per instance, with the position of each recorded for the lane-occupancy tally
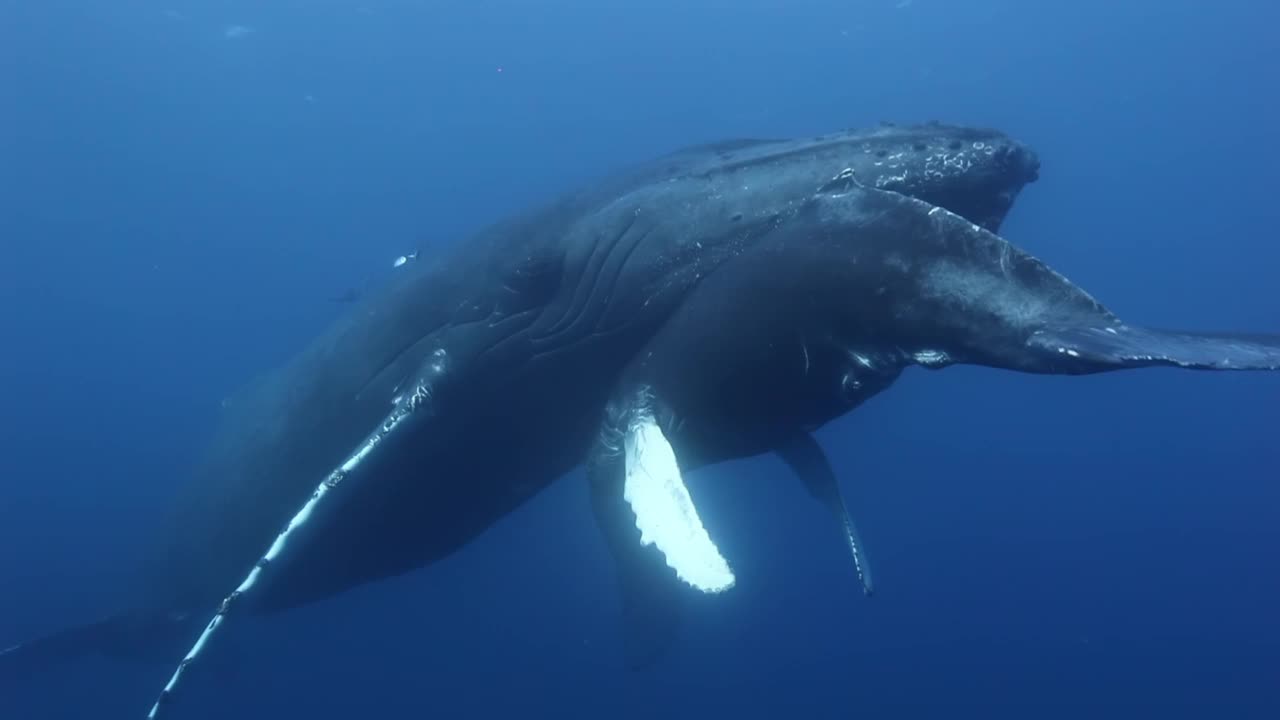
(665, 514)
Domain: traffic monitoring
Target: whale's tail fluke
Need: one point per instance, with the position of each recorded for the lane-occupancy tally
(140, 636)
(1111, 347)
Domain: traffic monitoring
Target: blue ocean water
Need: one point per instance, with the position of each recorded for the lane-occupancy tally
(185, 186)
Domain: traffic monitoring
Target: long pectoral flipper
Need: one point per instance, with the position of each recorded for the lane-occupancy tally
(415, 402)
(651, 527)
(806, 458)
(654, 488)
(1114, 346)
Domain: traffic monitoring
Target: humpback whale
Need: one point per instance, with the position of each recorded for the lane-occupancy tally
(720, 302)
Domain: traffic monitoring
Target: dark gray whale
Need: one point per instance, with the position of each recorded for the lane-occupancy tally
(545, 301)
(597, 328)
(533, 312)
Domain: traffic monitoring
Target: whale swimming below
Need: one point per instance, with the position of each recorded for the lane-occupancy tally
(720, 302)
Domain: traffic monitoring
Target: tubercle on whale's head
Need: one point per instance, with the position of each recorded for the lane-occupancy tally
(976, 173)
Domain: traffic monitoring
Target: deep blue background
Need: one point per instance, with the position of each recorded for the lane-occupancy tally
(177, 207)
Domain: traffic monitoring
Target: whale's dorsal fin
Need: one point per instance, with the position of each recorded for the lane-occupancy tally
(807, 459)
(139, 636)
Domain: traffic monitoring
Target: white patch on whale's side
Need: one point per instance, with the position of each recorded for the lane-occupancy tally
(665, 514)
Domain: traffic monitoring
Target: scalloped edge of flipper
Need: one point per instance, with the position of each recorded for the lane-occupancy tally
(665, 514)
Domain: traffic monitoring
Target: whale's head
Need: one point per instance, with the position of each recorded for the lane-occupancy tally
(976, 173)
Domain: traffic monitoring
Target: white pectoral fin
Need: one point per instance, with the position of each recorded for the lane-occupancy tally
(665, 514)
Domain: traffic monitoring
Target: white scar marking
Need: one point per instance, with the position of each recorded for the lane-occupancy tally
(931, 357)
(665, 514)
